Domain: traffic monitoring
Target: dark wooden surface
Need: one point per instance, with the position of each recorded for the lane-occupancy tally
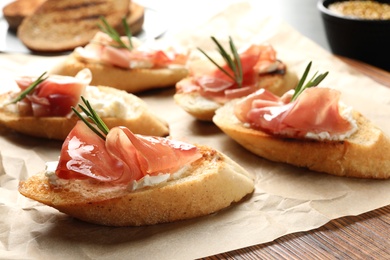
(366, 236)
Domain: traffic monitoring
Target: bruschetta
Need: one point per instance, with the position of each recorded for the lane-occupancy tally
(235, 74)
(127, 63)
(308, 127)
(41, 106)
(114, 177)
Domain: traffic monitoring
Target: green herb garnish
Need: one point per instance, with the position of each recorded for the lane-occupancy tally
(314, 81)
(110, 31)
(234, 63)
(101, 128)
(30, 88)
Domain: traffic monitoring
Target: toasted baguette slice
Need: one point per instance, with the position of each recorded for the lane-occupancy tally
(130, 80)
(210, 184)
(365, 154)
(17, 10)
(140, 119)
(204, 109)
(63, 25)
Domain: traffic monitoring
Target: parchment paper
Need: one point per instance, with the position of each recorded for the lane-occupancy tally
(286, 199)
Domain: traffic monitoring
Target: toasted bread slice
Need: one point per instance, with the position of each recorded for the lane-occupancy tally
(139, 118)
(210, 184)
(365, 154)
(16, 11)
(130, 80)
(204, 109)
(63, 25)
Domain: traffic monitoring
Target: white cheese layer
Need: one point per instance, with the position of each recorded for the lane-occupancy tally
(109, 105)
(346, 112)
(146, 181)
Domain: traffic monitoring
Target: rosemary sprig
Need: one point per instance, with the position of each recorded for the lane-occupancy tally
(128, 33)
(314, 81)
(110, 31)
(30, 88)
(234, 63)
(102, 129)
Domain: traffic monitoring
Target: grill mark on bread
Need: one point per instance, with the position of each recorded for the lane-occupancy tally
(89, 17)
(64, 25)
(79, 6)
(85, 18)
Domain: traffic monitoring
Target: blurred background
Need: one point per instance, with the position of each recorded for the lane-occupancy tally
(170, 16)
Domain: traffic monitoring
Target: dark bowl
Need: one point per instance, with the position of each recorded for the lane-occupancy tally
(360, 39)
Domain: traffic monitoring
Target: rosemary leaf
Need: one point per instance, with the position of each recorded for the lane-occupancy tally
(313, 82)
(102, 128)
(216, 64)
(233, 63)
(128, 33)
(95, 117)
(89, 124)
(237, 61)
(30, 88)
(110, 31)
(301, 82)
(224, 54)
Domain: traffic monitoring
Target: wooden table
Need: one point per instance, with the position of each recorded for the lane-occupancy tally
(366, 236)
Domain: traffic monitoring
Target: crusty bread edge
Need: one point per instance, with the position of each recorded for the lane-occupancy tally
(363, 155)
(58, 128)
(15, 11)
(215, 185)
(130, 80)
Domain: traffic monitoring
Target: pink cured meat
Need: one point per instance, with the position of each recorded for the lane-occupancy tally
(315, 110)
(121, 158)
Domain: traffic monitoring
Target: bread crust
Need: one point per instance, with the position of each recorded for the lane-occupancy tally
(204, 109)
(212, 183)
(130, 80)
(142, 120)
(365, 154)
(17, 10)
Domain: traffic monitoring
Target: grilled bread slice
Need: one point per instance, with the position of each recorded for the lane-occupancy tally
(365, 154)
(16, 11)
(63, 25)
(209, 184)
(139, 118)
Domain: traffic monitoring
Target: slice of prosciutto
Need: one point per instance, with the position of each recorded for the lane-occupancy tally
(54, 96)
(143, 55)
(317, 110)
(214, 84)
(122, 158)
